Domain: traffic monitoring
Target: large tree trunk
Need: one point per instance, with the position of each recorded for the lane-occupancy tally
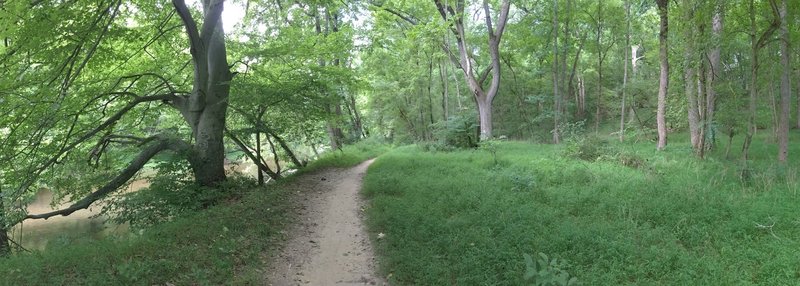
(664, 78)
(786, 89)
(205, 109)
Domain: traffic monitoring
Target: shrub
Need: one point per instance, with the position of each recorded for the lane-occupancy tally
(458, 131)
(171, 193)
(588, 148)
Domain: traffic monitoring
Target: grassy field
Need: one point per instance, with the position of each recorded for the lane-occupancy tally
(223, 245)
(624, 214)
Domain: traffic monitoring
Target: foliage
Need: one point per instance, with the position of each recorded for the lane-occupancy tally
(170, 195)
(458, 131)
(458, 218)
(546, 272)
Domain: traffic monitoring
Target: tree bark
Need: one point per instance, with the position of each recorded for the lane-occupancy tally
(206, 108)
(786, 89)
(664, 78)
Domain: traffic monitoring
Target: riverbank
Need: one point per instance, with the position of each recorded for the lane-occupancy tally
(224, 244)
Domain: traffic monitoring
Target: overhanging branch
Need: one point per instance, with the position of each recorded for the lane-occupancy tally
(120, 180)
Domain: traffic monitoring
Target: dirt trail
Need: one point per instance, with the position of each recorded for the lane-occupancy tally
(329, 245)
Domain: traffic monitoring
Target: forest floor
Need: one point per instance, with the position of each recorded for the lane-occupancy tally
(328, 245)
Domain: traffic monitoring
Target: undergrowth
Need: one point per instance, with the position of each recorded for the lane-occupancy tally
(608, 213)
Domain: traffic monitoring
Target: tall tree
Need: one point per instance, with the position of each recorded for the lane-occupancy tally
(556, 94)
(203, 110)
(664, 77)
(757, 42)
(690, 73)
(786, 88)
(475, 80)
(625, 71)
(712, 74)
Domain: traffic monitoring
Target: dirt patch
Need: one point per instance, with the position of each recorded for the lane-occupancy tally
(329, 244)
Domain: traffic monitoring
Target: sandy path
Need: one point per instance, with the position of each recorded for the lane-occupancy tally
(329, 245)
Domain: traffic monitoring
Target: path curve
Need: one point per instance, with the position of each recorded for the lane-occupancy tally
(329, 244)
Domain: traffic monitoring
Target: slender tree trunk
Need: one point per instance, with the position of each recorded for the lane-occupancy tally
(275, 157)
(664, 78)
(625, 72)
(690, 77)
(599, 66)
(701, 101)
(798, 104)
(556, 95)
(5, 248)
(786, 88)
(445, 91)
(711, 75)
(756, 43)
(258, 155)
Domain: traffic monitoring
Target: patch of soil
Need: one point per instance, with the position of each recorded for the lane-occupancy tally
(329, 244)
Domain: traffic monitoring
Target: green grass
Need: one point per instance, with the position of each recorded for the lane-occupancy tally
(226, 244)
(456, 218)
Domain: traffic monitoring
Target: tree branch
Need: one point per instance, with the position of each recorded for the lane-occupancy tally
(261, 166)
(107, 123)
(120, 180)
(195, 44)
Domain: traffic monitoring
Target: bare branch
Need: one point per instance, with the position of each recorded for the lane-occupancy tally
(257, 161)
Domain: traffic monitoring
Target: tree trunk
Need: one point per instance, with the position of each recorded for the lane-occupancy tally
(786, 89)
(475, 80)
(5, 248)
(258, 155)
(206, 108)
(556, 95)
(625, 72)
(690, 77)
(756, 43)
(712, 73)
(445, 95)
(664, 78)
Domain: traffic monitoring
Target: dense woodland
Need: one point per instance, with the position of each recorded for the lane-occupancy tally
(98, 93)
